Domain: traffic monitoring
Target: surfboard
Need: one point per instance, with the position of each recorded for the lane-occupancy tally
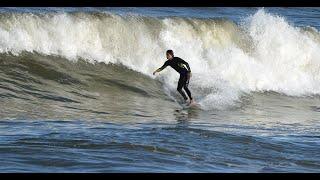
(192, 105)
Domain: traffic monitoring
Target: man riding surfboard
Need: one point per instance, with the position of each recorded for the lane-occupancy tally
(185, 73)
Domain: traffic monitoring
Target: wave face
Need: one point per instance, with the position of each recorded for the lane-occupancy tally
(263, 53)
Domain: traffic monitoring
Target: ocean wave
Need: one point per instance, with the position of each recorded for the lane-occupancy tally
(262, 53)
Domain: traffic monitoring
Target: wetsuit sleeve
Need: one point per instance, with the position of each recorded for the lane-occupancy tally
(164, 65)
(185, 63)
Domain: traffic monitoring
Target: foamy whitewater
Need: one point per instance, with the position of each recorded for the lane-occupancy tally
(249, 73)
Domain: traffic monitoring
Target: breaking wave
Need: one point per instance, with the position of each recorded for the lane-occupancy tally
(262, 53)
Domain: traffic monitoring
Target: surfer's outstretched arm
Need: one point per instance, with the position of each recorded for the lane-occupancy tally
(158, 70)
(161, 68)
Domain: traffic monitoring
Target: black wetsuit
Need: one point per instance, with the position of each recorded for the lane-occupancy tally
(178, 64)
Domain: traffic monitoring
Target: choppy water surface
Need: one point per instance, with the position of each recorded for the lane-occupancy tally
(77, 92)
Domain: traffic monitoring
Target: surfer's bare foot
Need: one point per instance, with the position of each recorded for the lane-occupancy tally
(191, 101)
(188, 102)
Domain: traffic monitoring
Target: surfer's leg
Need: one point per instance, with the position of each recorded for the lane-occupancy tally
(188, 92)
(185, 87)
(179, 88)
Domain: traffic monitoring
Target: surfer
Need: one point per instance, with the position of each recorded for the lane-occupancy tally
(185, 73)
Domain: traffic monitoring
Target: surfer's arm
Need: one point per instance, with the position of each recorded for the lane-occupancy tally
(158, 70)
(185, 63)
(188, 67)
(161, 68)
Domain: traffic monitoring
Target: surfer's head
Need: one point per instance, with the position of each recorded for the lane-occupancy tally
(169, 54)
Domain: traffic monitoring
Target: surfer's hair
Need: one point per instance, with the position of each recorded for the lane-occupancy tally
(170, 52)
